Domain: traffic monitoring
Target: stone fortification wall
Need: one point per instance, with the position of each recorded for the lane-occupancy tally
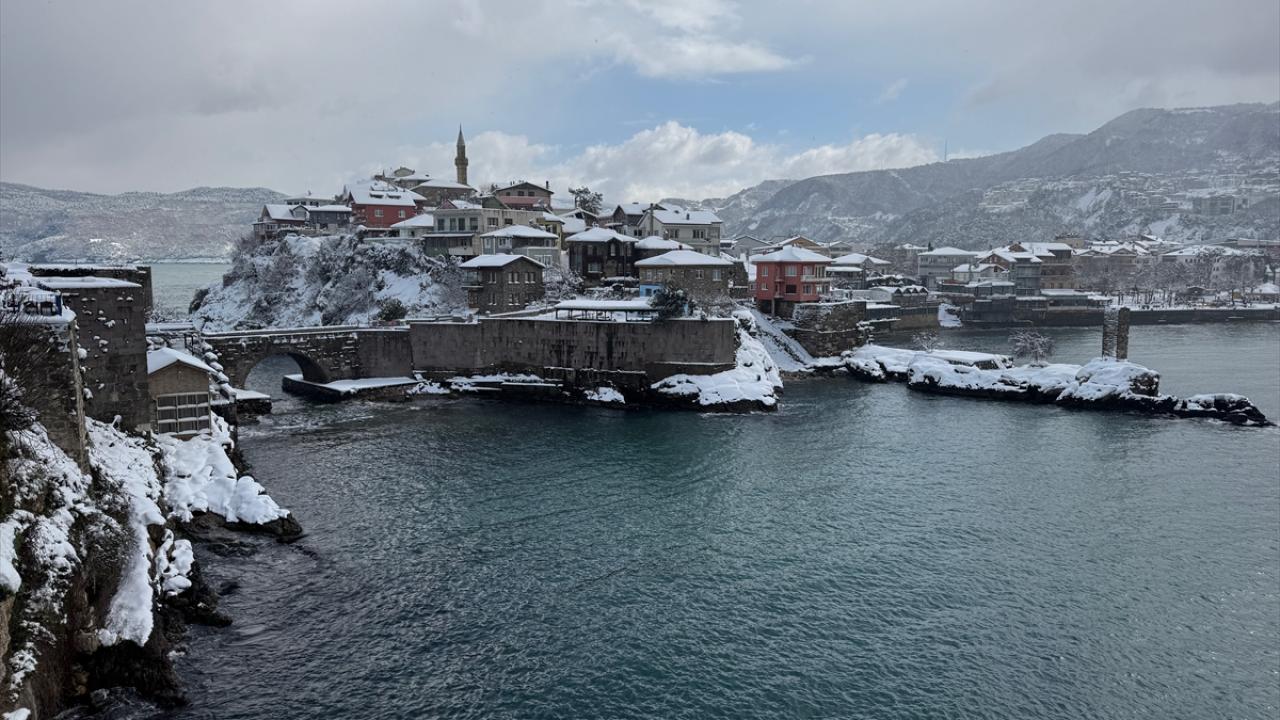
(658, 349)
(140, 274)
(111, 328)
(828, 329)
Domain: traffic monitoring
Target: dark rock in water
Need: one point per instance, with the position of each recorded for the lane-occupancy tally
(228, 587)
(1235, 409)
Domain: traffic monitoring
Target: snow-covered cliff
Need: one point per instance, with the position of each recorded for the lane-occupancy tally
(332, 280)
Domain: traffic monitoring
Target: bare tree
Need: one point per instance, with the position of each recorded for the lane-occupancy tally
(926, 341)
(1031, 344)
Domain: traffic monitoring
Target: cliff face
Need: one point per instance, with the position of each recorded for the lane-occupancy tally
(96, 581)
(299, 281)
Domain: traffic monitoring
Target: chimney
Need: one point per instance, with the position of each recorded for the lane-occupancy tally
(547, 183)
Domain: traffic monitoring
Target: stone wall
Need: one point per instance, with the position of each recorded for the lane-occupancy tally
(111, 328)
(323, 355)
(828, 329)
(658, 349)
(59, 397)
(140, 274)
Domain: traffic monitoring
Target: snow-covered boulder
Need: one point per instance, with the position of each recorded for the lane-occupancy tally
(752, 384)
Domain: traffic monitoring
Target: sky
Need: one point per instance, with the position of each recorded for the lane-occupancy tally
(638, 100)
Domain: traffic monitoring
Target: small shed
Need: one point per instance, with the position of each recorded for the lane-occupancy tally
(179, 387)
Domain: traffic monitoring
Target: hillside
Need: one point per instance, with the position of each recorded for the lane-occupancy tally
(1118, 179)
(39, 225)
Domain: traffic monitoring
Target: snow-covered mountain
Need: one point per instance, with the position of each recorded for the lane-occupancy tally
(39, 225)
(1138, 172)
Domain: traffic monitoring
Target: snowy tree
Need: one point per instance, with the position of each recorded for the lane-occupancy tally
(1031, 344)
(585, 199)
(27, 351)
(926, 341)
(671, 303)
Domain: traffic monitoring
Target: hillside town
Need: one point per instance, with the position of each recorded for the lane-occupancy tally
(522, 248)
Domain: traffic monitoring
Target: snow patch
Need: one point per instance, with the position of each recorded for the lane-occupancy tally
(200, 477)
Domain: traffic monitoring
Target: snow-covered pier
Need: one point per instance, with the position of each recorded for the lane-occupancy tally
(1100, 384)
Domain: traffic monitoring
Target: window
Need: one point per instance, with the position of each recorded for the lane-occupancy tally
(401, 214)
(493, 222)
(377, 212)
(182, 413)
(697, 273)
(715, 274)
(764, 286)
(508, 221)
(475, 223)
(764, 271)
(699, 234)
(808, 289)
(791, 271)
(791, 289)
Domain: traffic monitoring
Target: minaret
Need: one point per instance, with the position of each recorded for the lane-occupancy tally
(460, 161)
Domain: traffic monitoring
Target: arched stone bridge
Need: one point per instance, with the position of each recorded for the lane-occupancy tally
(325, 354)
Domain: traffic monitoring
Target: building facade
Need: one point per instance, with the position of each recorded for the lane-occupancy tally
(503, 283)
(789, 276)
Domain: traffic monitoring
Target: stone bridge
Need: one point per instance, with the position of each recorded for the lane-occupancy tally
(325, 354)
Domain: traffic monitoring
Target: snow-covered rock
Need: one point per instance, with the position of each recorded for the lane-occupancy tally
(298, 281)
(200, 477)
(754, 382)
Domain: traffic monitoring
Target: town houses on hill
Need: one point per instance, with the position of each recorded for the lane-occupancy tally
(512, 237)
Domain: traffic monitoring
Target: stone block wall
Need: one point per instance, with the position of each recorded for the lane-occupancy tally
(111, 328)
(658, 349)
(828, 329)
(140, 274)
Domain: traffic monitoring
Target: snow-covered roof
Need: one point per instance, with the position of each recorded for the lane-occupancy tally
(977, 267)
(859, 259)
(683, 258)
(573, 224)
(329, 208)
(947, 251)
(521, 183)
(551, 217)
(425, 220)
(1046, 249)
(791, 253)
(74, 283)
(1011, 256)
(380, 193)
(439, 183)
(164, 357)
(1266, 289)
(521, 231)
(680, 216)
(844, 270)
(460, 204)
(279, 211)
(653, 242)
(607, 305)
(496, 260)
(1199, 250)
(599, 234)
(633, 208)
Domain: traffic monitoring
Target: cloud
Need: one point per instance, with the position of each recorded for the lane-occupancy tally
(668, 160)
(892, 91)
(694, 56)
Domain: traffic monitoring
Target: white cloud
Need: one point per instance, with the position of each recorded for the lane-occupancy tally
(669, 160)
(892, 91)
(696, 56)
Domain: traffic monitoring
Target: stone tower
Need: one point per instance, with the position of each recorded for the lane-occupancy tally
(460, 162)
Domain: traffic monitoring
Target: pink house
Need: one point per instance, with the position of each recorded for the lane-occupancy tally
(789, 276)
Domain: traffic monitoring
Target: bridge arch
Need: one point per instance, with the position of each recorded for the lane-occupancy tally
(312, 371)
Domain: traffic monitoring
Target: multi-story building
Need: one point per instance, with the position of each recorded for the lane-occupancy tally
(460, 223)
(789, 276)
(703, 277)
(935, 265)
(1023, 268)
(626, 218)
(503, 282)
(699, 229)
(598, 253)
(1057, 263)
(524, 195)
(277, 216)
(375, 204)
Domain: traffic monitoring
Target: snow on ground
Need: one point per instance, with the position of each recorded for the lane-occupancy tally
(755, 379)
(199, 477)
(947, 316)
(41, 475)
(787, 354)
(351, 387)
(1105, 378)
(174, 559)
(126, 463)
(606, 394)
